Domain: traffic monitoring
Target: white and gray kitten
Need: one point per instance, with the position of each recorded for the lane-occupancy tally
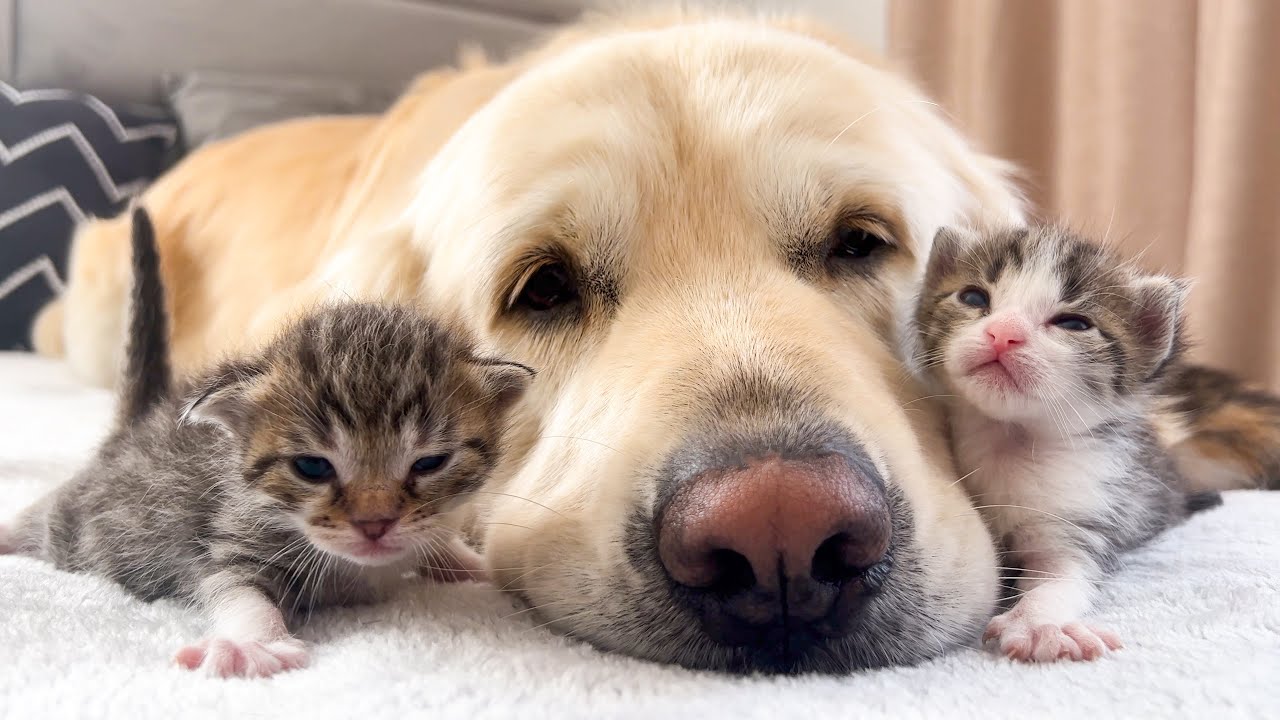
(319, 471)
(1052, 350)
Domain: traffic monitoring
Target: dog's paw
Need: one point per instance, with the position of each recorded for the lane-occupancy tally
(1021, 638)
(455, 562)
(223, 657)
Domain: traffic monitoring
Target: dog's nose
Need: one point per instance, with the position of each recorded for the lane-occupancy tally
(775, 540)
(374, 529)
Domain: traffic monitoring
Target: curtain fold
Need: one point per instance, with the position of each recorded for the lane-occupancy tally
(1152, 123)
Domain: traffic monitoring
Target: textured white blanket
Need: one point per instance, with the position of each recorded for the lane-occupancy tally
(1200, 611)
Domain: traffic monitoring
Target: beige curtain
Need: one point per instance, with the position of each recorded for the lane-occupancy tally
(1154, 122)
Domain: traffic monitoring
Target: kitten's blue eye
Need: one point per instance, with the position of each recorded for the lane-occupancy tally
(430, 463)
(313, 468)
(1074, 323)
(973, 297)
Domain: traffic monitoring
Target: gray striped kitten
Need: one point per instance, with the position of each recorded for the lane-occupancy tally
(1052, 350)
(319, 471)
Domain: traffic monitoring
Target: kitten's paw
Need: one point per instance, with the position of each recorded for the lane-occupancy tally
(1020, 638)
(222, 657)
(1092, 640)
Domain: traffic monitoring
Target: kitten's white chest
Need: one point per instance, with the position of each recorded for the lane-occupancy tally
(1016, 476)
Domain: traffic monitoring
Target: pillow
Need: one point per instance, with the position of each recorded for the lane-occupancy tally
(213, 105)
(64, 157)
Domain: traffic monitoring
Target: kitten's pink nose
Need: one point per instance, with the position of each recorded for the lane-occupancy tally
(374, 529)
(1005, 334)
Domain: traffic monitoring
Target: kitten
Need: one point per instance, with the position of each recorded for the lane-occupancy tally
(1052, 350)
(1224, 432)
(315, 472)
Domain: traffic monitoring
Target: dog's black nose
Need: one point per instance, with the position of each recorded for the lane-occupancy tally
(771, 550)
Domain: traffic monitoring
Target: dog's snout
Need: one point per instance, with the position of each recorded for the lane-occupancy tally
(777, 519)
(776, 541)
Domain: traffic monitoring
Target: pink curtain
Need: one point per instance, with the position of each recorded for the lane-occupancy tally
(1155, 123)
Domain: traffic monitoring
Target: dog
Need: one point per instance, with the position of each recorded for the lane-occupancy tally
(704, 231)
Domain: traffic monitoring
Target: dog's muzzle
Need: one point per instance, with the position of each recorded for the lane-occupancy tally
(776, 541)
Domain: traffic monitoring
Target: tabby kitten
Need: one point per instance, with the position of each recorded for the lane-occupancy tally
(1053, 349)
(315, 472)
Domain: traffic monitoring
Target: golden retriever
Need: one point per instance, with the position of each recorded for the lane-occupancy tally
(703, 231)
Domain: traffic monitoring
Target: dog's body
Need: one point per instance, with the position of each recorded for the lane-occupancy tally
(703, 232)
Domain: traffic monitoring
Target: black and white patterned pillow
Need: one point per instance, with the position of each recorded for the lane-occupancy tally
(64, 157)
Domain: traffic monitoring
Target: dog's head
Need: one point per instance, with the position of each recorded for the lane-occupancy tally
(704, 236)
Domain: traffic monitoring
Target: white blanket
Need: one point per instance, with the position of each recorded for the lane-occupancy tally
(1199, 610)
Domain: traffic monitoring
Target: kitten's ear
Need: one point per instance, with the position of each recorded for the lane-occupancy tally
(1159, 303)
(223, 398)
(948, 244)
(503, 381)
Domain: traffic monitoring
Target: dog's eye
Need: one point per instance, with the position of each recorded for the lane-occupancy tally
(548, 287)
(852, 242)
(974, 297)
(429, 464)
(1074, 323)
(313, 468)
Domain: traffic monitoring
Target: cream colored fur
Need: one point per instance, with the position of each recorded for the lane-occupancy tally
(687, 149)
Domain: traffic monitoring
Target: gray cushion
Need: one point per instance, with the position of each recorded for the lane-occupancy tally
(118, 49)
(213, 105)
(537, 9)
(7, 11)
(64, 157)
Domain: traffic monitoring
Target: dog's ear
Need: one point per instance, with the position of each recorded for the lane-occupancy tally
(504, 382)
(224, 397)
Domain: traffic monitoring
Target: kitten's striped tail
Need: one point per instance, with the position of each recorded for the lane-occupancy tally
(146, 374)
(1224, 434)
